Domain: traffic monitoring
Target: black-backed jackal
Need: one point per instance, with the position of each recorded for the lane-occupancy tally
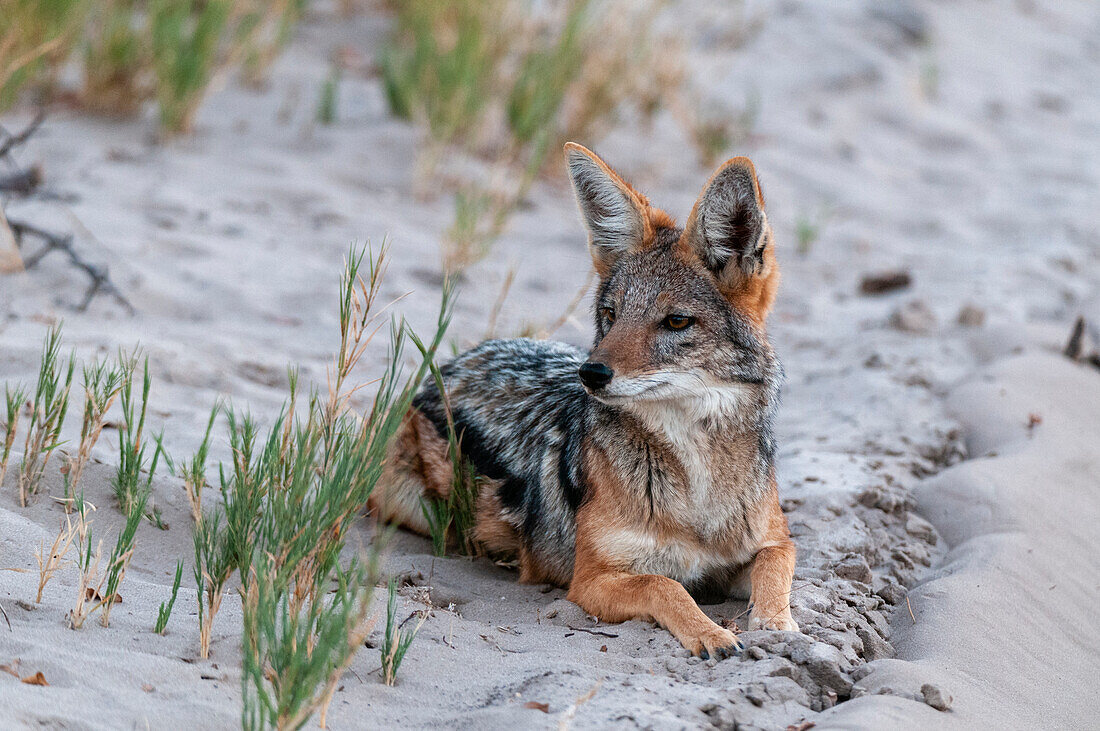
(640, 474)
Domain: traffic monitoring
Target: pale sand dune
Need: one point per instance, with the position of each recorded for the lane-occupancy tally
(955, 140)
(1004, 620)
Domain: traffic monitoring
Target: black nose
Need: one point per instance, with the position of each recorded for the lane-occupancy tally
(595, 375)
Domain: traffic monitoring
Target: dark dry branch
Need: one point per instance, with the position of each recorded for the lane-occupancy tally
(26, 181)
(1073, 347)
(592, 631)
(20, 181)
(99, 277)
(1077, 349)
(11, 141)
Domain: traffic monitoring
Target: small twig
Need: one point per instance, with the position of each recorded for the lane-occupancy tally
(2, 611)
(591, 631)
(567, 716)
(910, 609)
(792, 591)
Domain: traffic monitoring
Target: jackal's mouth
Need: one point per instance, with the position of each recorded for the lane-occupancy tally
(678, 386)
(627, 389)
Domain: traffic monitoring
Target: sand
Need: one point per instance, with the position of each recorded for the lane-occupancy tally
(955, 141)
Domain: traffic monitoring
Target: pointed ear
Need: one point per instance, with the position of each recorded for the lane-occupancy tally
(728, 229)
(614, 213)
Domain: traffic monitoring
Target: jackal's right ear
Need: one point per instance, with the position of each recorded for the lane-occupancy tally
(613, 211)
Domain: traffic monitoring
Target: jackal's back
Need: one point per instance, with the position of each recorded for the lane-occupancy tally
(520, 411)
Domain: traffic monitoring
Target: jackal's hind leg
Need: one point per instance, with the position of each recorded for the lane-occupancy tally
(418, 466)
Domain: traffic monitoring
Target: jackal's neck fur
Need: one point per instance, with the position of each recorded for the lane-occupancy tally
(680, 342)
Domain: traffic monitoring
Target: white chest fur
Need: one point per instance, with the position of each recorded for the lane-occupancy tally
(691, 426)
(683, 561)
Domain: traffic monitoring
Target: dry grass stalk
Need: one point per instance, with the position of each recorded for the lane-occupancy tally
(214, 603)
(101, 388)
(91, 580)
(194, 472)
(570, 309)
(265, 29)
(49, 562)
(498, 304)
(214, 565)
(35, 37)
(88, 589)
(567, 717)
(98, 589)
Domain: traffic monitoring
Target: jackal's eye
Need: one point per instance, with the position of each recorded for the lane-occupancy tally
(678, 322)
(608, 313)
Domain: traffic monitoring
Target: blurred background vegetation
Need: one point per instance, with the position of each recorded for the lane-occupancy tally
(498, 83)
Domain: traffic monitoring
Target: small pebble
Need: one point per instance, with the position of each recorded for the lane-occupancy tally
(936, 697)
(971, 316)
(914, 316)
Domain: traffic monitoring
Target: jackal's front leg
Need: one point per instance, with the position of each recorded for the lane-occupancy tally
(618, 596)
(771, 575)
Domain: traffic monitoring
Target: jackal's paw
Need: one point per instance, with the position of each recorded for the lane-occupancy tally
(714, 642)
(776, 621)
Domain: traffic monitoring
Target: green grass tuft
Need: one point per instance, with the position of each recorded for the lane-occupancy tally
(396, 641)
(326, 105)
(165, 610)
(312, 476)
(185, 37)
(13, 402)
(121, 556)
(129, 483)
(50, 405)
(456, 68)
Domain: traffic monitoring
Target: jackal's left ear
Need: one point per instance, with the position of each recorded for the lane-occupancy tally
(614, 213)
(727, 228)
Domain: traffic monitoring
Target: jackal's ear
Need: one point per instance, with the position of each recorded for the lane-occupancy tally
(727, 228)
(614, 213)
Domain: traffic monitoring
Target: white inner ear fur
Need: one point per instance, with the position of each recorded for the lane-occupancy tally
(717, 210)
(721, 203)
(613, 221)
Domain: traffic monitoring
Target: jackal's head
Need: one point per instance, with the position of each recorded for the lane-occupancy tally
(680, 313)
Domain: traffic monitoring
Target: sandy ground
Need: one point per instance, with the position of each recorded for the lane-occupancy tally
(957, 141)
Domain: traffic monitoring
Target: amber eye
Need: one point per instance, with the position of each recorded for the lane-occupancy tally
(678, 322)
(609, 314)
